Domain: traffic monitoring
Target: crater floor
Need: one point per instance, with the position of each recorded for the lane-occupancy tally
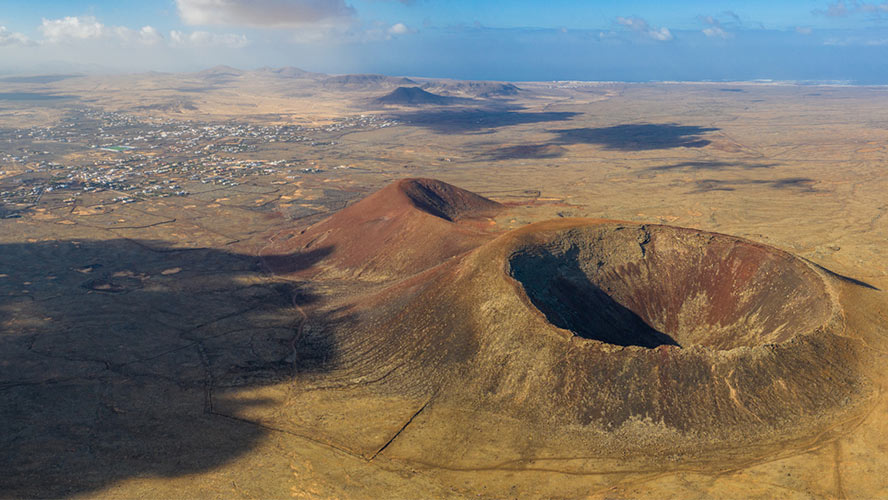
(655, 285)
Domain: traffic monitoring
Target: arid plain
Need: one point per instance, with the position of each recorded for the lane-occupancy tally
(201, 295)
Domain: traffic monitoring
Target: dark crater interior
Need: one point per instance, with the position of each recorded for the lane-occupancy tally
(658, 285)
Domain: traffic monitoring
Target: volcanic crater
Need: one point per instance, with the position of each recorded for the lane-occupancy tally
(656, 285)
(624, 336)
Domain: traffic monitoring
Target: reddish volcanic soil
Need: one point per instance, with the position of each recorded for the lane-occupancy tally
(628, 338)
(602, 345)
(408, 226)
(653, 285)
(606, 325)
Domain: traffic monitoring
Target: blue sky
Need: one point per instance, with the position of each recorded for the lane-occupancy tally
(638, 40)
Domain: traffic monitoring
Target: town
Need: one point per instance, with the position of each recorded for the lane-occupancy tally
(122, 158)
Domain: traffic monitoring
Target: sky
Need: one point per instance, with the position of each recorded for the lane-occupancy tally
(516, 40)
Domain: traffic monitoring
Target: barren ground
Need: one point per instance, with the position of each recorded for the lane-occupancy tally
(160, 347)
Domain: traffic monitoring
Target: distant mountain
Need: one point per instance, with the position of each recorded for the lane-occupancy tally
(366, 81)
(37, 78)
(475, 89)
(415, 96)
(289, 72)
(220, 73)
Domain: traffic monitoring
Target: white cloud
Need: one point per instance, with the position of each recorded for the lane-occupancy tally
(8, 38)
(715, 29)
(71, 28)
(641, 26)
(874, 8)
(842, 8)
(662, 34)
(149, 35)
(377, 31)
(804, 30)
(399, 29)
(207, 39)
(146, 35)
(264, 13)
(716, 32)
(78, 29)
